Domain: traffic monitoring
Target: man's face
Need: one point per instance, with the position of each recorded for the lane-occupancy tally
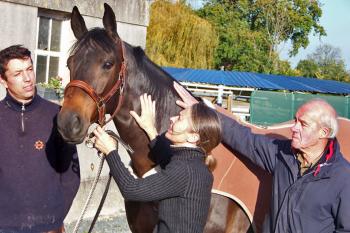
(20, 79)
(306, 131)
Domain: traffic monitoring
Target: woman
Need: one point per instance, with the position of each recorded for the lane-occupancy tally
(183, 187)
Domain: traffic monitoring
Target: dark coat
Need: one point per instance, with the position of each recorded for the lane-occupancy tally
(39, 172)
(315, 202)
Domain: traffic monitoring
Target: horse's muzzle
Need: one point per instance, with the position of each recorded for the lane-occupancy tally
(72, 127)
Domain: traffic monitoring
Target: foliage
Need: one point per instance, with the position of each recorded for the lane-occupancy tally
(250, 31)
(325, 62)
(239, 48)
(177, 37)
(239, 35)
(284, 20)
(53, 83)
(326, 54)
(283, 67)
(308, 68)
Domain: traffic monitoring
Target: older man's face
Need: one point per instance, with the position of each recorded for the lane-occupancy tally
(306, 130)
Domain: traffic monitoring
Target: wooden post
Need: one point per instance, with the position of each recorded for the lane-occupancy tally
(229, 102)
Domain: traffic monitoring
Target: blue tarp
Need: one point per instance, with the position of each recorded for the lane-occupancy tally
(258, 81)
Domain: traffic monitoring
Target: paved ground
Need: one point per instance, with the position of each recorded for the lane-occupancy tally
(110, 224)
(112, 218)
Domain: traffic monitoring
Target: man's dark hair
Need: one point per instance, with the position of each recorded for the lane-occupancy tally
(12, 52)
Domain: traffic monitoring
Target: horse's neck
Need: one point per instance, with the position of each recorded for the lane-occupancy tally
(127, 127)
(134, 136)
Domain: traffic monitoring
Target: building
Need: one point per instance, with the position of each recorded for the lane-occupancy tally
(262, 99)
(44, 28)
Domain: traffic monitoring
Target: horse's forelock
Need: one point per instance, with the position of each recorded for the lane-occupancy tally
(93, 40)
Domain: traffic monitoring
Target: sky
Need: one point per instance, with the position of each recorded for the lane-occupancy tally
(336, 21)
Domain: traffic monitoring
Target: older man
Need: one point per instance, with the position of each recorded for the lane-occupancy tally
(311, 178)
(39, 172)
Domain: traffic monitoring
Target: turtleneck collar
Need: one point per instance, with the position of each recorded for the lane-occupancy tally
(18, 106)
(185, 153)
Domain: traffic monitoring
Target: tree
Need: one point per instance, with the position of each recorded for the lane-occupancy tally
(326, 54)
(308, 68)
(178, 37)
(285, 20)
(325, 62)
(239, 47)
(253, 30)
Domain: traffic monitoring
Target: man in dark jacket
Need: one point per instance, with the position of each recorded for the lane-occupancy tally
(39, 172)
(311, 178)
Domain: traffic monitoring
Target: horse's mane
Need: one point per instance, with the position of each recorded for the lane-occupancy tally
(157, 83)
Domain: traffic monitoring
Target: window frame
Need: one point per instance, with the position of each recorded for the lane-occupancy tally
(51, 15)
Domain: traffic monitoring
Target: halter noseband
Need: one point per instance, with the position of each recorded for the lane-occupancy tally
(101, 101)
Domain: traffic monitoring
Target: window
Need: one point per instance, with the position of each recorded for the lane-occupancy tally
(48, 50)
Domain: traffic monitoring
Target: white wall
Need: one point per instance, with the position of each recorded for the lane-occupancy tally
(18, 25)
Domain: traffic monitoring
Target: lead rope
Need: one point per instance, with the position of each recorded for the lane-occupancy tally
(101, 203)
(94, 184)
(92, 190)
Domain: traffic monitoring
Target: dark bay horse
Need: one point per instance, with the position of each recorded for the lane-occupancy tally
(108, 76)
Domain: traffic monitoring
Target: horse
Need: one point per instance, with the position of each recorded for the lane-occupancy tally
(107, 76)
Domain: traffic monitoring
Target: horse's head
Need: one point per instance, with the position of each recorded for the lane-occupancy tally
(96, 73)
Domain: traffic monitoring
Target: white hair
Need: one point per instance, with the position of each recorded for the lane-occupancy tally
(331, 123)
(327, 116)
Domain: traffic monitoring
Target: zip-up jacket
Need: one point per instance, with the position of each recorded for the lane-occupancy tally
(39, 172)
(316, 202)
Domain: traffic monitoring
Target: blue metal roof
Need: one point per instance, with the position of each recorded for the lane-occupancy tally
(258, 81)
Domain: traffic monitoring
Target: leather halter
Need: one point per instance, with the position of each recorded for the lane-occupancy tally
(101, 101)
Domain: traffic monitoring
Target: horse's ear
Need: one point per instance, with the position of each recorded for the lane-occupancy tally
(77, 23)
(109, 21)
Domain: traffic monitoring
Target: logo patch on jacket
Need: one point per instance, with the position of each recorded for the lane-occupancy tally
(39, 145)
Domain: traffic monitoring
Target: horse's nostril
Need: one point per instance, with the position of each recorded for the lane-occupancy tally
(75, 124)
(71, 126)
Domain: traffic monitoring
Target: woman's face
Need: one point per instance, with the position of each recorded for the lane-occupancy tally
(180, 127)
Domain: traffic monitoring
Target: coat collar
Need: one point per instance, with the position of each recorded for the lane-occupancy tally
(327, 163)
(13, 104)
(322, 169)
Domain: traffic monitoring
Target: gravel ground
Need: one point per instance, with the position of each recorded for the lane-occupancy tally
(110, 224)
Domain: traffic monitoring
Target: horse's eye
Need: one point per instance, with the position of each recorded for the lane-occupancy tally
(107, 65)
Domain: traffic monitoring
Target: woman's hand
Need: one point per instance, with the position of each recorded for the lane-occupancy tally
(148, 116)
(187, 100)
(103, 142)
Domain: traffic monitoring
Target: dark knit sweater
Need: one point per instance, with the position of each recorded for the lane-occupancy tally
(39, 173)
(183, 189)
